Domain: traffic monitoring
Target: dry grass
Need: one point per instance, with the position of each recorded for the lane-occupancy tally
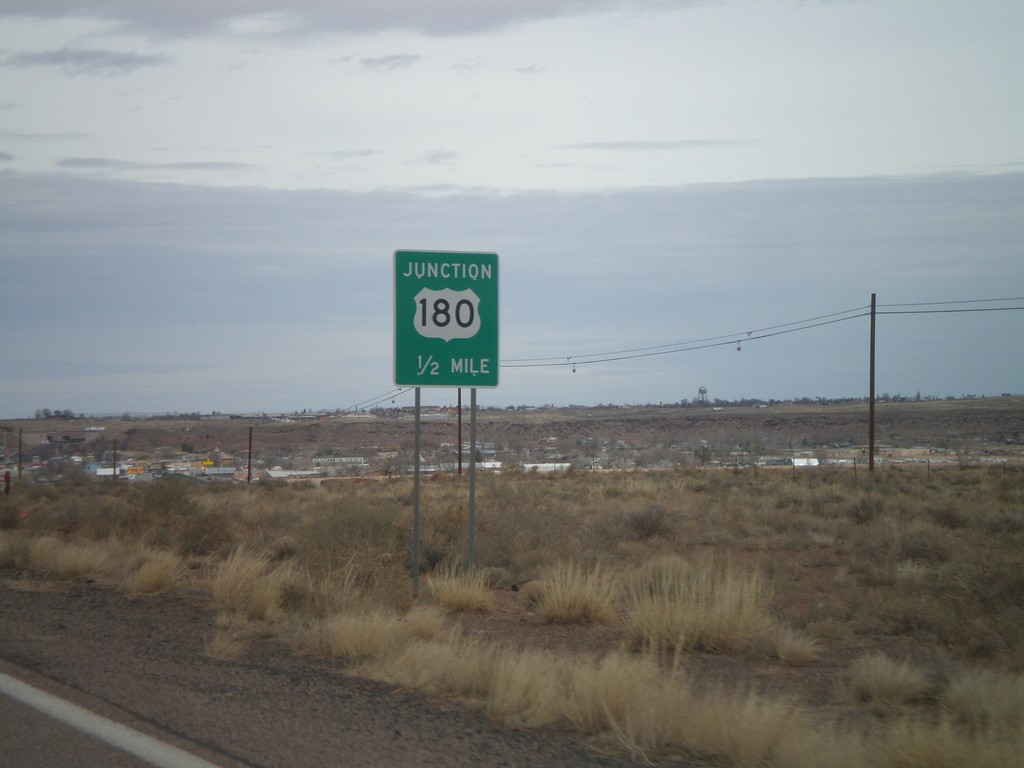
(986, 699)
(709, 606)
(794, 647)
(882, 681)
(158, 573)
(13, 550)
(225, 645)
(77, 560)
(788, 572)
(525, 688)
(456, 591)
(572, 594)
(247, 583)
(455, 666)
(357, 637)
(375, 634)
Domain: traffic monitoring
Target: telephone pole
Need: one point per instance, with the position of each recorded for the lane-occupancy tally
(871, 393)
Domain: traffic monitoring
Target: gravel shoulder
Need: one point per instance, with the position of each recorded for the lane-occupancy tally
(141, 661)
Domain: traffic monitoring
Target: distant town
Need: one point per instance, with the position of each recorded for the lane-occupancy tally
(315, 446)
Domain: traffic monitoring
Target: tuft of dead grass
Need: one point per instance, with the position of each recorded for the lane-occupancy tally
(157, 573)
(526, 687)
(883, 681)
(707, 606)
(76, 560)
(986, 699)
(357, 637)
(246, 582)
(456, 591)
(13, 550)
(455, 666)
(794, 647)
(571, 594)
(225, 645)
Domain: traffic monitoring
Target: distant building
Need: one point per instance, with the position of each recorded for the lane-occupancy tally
(799, 462)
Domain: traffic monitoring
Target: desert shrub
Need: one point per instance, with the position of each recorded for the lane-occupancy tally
(13, 550)
(865, 509)
(947, 514)
(649, 522)
(9, 514)
(515, 528)
(92, 511)
(345, 527)
(165, 498)
(926, 543)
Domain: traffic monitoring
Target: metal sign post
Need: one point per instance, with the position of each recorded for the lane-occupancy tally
(446, 335)
(416, 501)
(471, 536)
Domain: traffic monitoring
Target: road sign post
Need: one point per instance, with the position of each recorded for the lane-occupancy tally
(446, 319)
(446, 335)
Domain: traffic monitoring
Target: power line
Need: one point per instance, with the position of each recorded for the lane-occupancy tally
(684, 345)
(376, 399)
(766, 332)
(947, 311)
(693, 346)
(962, 301)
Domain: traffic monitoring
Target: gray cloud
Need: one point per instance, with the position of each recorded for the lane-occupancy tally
(437, 157)
(389, 63)
(6, 157)
(106, 163)
(440, 17)
(24, 136)
(647, 146)
(469, 65)
(353, 154)
(78, 61)
(170, 264)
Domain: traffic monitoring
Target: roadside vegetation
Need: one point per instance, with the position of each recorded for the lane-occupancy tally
(748, 618)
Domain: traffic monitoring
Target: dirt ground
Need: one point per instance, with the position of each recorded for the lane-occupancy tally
(141, 661)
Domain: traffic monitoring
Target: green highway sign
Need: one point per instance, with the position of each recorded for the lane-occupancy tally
(446, 319)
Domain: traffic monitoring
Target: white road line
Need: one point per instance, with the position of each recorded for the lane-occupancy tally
(142, 746)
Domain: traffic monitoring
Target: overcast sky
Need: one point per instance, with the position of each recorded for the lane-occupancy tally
(199, 200)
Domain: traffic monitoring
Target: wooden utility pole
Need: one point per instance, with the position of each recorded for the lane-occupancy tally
(871, 393)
